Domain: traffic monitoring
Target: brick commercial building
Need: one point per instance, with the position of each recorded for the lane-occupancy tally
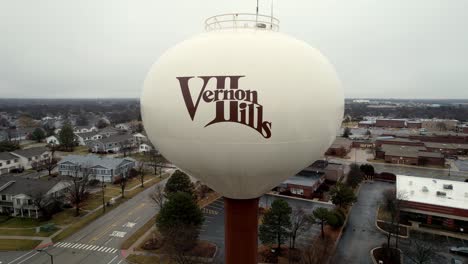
(439, 124)
(391, 123)
(303, 184)
(332, 171)
(398, 141)
(414, 124)
(409, 155)
(434, 202)
(366, 124)
(340, 147)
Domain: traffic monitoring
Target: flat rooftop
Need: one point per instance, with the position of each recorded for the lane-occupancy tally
(424, 190)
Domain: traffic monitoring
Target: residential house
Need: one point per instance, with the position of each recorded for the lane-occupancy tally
(17, 194)
(111, 144)
(123, 126)
(20, 133)
(31, 157)
(8, 162)
(100, 168)
(84, 129)
(52, 140)
(143, 148)
(82, 138)
(109, 131)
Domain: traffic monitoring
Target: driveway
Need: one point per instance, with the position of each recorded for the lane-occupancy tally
(361, 235)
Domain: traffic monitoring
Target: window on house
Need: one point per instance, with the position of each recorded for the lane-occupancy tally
(29, 202)
(3, 197)
(29, 159)
(16, 160)
(1, 164)
(8, 162)
(297, 191)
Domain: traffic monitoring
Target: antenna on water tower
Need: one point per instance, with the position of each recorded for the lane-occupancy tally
(256, 15)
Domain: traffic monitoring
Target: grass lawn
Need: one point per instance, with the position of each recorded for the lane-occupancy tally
(77, 225)
(18, 244)
(80, 150)
(383, 214)
(24, 232)
(17, 222)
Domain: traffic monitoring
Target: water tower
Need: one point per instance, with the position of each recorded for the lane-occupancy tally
(242, 108)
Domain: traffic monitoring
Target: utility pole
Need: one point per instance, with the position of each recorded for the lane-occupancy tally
(103, 186)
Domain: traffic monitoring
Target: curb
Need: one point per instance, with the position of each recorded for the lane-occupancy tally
(297, 198)
(375, 262)
(385, 232)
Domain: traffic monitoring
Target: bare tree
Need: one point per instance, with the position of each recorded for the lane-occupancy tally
(300, 222)
(392, 204)
(420, 252)
(156, 161)
(77, 191)
(123, 185)
(158, 195)
(40, 200)
(141, 172)
(319, 252)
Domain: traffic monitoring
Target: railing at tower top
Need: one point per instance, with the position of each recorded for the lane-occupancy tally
(241, 20)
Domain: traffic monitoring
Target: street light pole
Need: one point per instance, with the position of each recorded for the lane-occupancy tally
(103, 198)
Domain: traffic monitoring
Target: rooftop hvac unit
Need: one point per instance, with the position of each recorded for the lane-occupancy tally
(410, 183)
(425, 189)
(448, 186)
(439, 193)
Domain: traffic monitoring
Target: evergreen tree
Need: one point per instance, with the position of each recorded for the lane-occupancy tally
(38, 134)
(342, 195)
(179, 182)
(276, 223)
(179, 221)
(67, 138)
(322, 215)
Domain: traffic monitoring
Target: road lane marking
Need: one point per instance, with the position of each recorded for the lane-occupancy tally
(28, 257)
(118, 234)
(112, 260)
(107, 229)
(21, 257)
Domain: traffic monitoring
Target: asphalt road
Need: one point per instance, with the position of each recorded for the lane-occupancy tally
(361, 235)
(213, 227)
(99, 242)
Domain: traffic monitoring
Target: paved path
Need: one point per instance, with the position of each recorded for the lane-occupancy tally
(361, 235)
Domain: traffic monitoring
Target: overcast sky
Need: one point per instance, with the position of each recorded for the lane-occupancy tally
(95, 48)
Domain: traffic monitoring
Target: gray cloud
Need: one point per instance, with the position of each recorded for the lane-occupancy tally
(89, 48)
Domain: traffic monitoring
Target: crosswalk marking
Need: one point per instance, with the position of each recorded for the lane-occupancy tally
(86, 247)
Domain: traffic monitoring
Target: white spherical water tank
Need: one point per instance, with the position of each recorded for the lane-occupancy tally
(242, 107)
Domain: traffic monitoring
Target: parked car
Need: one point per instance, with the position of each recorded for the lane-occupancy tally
(459, 250)
(453, 157)
(456, 261)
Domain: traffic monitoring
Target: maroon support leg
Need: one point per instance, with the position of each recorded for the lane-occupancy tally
(241, 231)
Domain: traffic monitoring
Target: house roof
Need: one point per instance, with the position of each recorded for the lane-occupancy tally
(94, 160)
(7, 156)
(19, 185)
(402, 151)
(110, 129)
(30, 152)
(430, 154)
(303, 178)
(116, 138)
(87, 134)
(439, 145)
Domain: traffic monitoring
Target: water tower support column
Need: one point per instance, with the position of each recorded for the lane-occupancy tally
(241, 230)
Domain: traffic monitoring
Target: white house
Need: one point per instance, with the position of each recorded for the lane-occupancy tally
(32, 156)
(144, 148)
(123, 126)
(8, 162)
(84, 129)
(17, 194)
(52, 140)
(82, 138)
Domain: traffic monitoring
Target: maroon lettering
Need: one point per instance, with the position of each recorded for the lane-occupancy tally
(242, 105)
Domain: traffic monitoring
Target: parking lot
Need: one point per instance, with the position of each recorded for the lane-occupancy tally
(213, 227)
(441, 246)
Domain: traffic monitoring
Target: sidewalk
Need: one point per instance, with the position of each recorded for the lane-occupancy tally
(441, 232)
